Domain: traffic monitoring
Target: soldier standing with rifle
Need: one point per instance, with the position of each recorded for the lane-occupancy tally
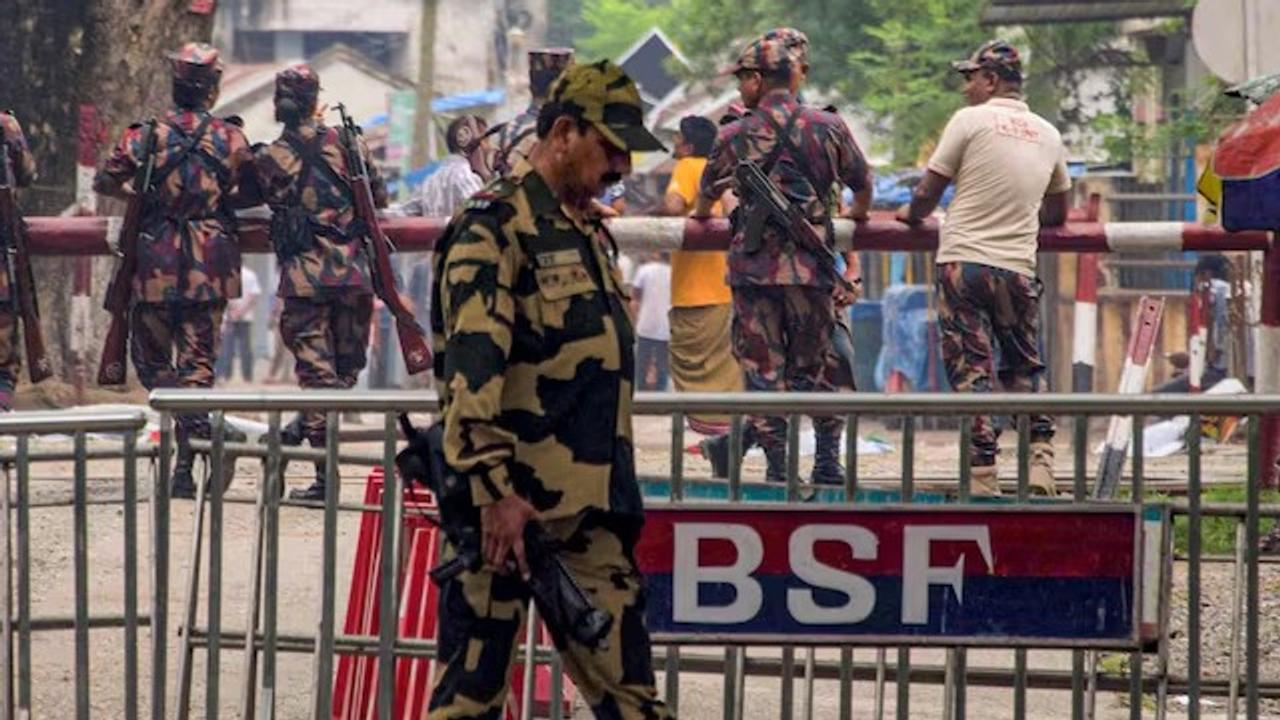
(786, 288)
(535, 372)
(183, 175)
(332, 255)
(17, 283)
(517, 136)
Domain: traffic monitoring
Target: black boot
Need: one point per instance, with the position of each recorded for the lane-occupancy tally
(182, 485)
(716, 451)
(315, 492)
(827, 469)
(776, 472)
(291, 434)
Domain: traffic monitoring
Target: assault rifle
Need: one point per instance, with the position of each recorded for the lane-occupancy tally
(111, 369)
(22, 284)
(413, 341)
(566, 607)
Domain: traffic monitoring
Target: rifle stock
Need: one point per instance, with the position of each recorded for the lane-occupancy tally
(413, 340)
(22, 283)
(112, 369)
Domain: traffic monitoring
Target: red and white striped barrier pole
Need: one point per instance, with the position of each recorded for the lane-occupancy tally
(1084, 345)
(90, 236)
(1268, 362)
(1133, 381)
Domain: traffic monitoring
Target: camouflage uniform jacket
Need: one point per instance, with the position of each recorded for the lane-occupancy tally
(336, 261)
(825, 153)
(187, 250)
(23, 166)
(534, 353)
(516, 139)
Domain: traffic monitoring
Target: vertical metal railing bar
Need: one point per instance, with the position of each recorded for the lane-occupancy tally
(530, 661)
(1135, 657)
(1251, 530)
(390, 570)
(671, 670)
(1193, 569)
(192, 604)
(249, 681)
(322, 694)
(1024, 476)
(160, 570)
(557, 687)
(960, 656)
(24, 575)
(810, 664)
(6, 602)
(882, 672)
(213, 608)
(734, 678)
(903, 680)
(130, 511)
(1079, 493)
(850, 496)
(81, 542)
(274, 482)
(793, 495)
(1237, 606)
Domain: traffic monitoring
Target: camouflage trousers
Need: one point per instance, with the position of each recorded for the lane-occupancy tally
(175, 345)
(985, 315)
(782, 337)
(10, 355)
(329, 339)
(481, 614)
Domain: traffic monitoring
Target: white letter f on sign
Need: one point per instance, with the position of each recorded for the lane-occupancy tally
(918, 575)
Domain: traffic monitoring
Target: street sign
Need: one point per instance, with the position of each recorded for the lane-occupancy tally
(995, 576)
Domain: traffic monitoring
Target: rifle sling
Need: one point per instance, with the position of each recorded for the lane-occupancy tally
(785, 143)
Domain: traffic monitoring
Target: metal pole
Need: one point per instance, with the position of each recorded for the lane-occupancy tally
(1237, 607)
(1193, 569)
(530, 661)
(390, 569)
(248, 696)
(1136, 657)
(671, 672)
(903, 680)
(160, 570)
(1252, 609)
(213, 610)
(6, 603)
(24, 576)
(130, 575)
(322, 692)
(274, 482)
(1024, 476)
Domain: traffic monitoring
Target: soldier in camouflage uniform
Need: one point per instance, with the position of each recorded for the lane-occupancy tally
(1009, 169)
(188, 254)
(324, 274)
(517, 136)
(535, 363)
(784, 305)
(23, 165)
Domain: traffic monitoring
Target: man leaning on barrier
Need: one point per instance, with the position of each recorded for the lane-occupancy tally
(534, 364)
(1010, 172)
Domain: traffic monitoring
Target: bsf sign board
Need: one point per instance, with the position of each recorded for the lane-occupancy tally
(988, 575)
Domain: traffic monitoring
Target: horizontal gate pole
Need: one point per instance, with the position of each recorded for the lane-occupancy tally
(78, 236)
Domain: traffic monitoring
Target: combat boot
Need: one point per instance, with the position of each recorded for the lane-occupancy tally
(776, 471)
(984, 481)
(291, 434)
(182, 485)
(716, 451)
(827, 469)
(1040, 481)
(314, 492)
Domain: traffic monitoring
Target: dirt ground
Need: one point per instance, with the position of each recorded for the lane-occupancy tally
(298, 598)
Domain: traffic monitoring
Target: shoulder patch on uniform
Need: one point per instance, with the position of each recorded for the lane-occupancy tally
(496, 191)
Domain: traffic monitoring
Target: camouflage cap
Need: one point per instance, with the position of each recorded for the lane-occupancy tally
(995, 55)
(196, 61)
(299, 81)
(609, 100)
(778, 49)
(545, 65)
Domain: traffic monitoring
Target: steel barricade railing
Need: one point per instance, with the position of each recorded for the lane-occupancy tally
(18, 621)
(736, 663)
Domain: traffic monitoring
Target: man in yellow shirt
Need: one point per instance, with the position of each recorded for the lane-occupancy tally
(701, 304)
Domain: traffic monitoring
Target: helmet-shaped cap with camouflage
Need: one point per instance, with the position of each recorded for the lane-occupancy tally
(196, 62)
(608, 99)
(298, 81)
(778, 49)
(545, 65)
(996, 55)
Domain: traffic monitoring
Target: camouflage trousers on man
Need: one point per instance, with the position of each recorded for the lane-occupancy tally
(175, 345)
(329, 339)
(987, 314)
(481, 614)
(10, 355)
(782, 336)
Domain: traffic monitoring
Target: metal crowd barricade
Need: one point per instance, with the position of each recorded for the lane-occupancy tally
(261, 642)
(18, 622)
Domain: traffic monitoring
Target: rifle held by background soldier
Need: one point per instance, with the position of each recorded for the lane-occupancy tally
(13, 231)
(112, 369)
(413, 341)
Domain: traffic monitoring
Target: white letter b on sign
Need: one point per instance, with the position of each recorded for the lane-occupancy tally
(687, 574)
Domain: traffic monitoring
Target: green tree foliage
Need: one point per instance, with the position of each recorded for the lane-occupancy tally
(617, 24)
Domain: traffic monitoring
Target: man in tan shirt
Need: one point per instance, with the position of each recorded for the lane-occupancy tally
(1009, 168)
